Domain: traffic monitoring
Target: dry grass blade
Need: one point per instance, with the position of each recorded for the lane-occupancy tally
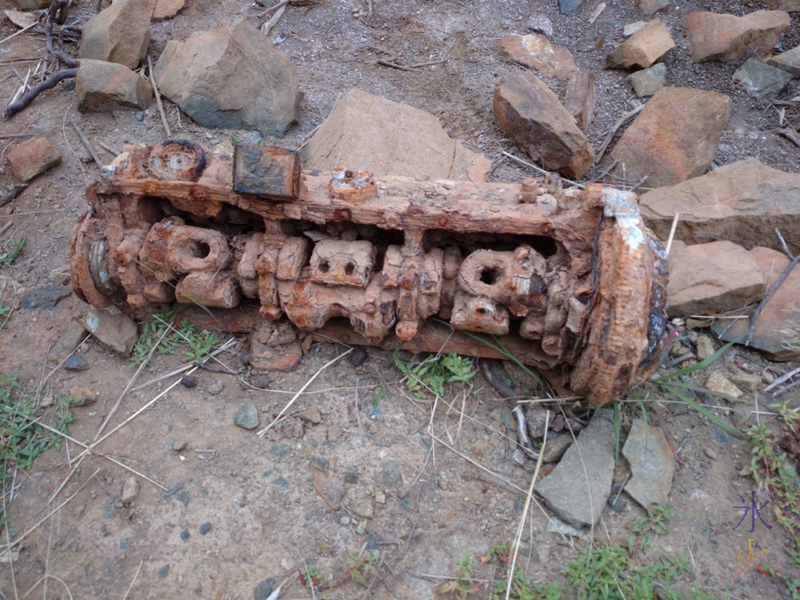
(623, 119)
(299, 393)
(130, 587)
(672, 232)
(158, 97)
(525, 163)
(528, 498)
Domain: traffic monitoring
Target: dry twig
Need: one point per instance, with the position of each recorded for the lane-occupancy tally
(87, 144)
(158, 97)
(12, 193)
(623, 119)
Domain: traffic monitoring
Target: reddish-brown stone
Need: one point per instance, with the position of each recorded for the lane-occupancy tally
(727, 37)
(33, 158)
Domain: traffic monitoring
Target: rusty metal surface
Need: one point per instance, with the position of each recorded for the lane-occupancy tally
(569, 280)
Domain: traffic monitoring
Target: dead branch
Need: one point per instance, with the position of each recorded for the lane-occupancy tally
(88, 145)
(791, 135)
(29, 96)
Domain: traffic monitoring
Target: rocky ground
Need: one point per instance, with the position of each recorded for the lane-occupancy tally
(365, 467)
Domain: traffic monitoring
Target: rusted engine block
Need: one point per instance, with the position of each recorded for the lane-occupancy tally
(569, 280)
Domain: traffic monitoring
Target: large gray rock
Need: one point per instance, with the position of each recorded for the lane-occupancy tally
(789, 61)
(708, 279)
(231, 77)
(674, 138)
(761, 79)
(532, 116)
(727, 37)
(358, 135)
(652, 464)
(742, 202)
(103, 85)
(578, 488)
(119, 33)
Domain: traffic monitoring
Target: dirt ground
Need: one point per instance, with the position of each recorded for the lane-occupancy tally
(408, 497)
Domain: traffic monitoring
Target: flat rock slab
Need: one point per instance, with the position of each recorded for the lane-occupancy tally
(72, 335)
(44, 298)
(728, 38)
(644, 48)
(412, 143)
(708, 279)
(231, 77)
(578, 488)
(119, 33)
(115, 330)
(742, 202)
(535, 50)
(103, 86)
(652, 464)
(531, 114)
(789, 61)
(674, 138)
(777, 331)
(761, 79)
(33, 157)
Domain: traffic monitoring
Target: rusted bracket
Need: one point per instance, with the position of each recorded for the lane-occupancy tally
(569, 280)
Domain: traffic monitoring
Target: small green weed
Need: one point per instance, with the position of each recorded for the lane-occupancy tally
(655, 521)
(435, 372)
(11, 249)
(155, 333)
(22, 440)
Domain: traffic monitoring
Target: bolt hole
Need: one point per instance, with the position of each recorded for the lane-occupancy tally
(481, 311)
(490, 275)
(199, 249)
(349, 269)
(324, 267)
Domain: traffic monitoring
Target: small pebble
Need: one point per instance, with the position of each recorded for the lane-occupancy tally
(179, 446)
(185, 534)
(264, 589)
(163, 571)
(358, 356)
(247, 416)
(189, 382)
(710, 453)
(344, 521)
(205, 528)
(260, 381)
(183, 498)
(216, 387)
(76, 363)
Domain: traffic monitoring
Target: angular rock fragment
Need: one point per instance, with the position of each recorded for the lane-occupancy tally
(569, 7)
(727, 37)
(247, 416)
(579, 486)
(357, 135)
(33, 157)
(653, 6)
(532, 116)
(105, 85)
(777, 331)
(789, 61)
(674, 138)
(231, 77)
(717, 382)
(115, 330)
(579, 97)
(648, 82)
(652, 464)
(708, 279)
(645, 47)
(166, 9)
(741, 202)
(761, 79)
(118, 33)
(536, 51)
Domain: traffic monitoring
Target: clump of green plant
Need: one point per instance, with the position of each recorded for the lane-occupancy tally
(160, 332)
(22, 440)
(11, 249)
(434, 373)
(771, 468)
(360, 569)
(5, 313)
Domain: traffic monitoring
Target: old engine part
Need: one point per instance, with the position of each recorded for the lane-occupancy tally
(568, 280)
